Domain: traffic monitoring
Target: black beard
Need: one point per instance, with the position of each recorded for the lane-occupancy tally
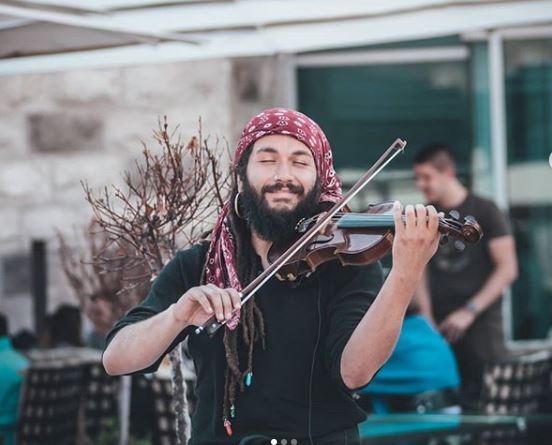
(275, 225)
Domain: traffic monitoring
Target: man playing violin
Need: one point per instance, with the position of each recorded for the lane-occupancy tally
(287, 361)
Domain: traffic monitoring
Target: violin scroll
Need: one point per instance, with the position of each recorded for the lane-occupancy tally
(469, 231)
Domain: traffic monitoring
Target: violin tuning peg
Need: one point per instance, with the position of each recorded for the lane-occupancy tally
(454, 215)
(443, 240)
(459, 246)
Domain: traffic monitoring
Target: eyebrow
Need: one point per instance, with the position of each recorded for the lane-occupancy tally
(273, 150)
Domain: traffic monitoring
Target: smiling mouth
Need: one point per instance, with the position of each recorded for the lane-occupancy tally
(282, 194)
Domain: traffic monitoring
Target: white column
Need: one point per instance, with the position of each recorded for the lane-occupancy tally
(498, 120)
(499, 150)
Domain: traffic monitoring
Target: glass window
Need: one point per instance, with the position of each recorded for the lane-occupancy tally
(528, 90)
(364, 108)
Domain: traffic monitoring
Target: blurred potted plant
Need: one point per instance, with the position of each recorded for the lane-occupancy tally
(168, 203)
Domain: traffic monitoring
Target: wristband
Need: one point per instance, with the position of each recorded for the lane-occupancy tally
(472, 307)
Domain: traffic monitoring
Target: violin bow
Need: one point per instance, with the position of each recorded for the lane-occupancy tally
(212, 325)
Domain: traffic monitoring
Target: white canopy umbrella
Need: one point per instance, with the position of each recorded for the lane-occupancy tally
(45, 35)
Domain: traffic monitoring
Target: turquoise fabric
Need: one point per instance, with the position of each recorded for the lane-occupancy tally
(422, 361)
(12, 369)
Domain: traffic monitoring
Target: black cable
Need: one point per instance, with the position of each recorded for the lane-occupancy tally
(313, 360)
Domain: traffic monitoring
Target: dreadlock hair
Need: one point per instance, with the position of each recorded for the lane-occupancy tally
(238, 343)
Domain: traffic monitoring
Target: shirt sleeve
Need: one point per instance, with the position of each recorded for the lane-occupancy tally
(494, 222)
(358, 287)
(180, 274)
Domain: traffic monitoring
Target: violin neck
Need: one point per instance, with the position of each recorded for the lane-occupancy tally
(366, 221)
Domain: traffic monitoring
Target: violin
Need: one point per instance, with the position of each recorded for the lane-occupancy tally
(351, 240)
(361, 238)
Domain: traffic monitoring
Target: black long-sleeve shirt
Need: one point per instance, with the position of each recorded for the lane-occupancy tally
(311, 322)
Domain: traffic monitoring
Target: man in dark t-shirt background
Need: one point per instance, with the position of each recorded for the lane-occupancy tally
(462, 289)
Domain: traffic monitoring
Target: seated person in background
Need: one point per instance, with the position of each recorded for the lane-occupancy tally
(24, 341)
(65, 327)
(420, 376)
(12, 368)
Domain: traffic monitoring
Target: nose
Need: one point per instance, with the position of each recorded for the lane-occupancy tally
(283, 173)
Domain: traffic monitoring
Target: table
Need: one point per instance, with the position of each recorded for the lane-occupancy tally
(392, 428)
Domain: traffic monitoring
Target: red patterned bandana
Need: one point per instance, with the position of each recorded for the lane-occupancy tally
(221, 265)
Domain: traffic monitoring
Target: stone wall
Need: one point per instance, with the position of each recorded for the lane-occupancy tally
(57, 129)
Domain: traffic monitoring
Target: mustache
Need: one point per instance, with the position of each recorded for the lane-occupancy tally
(273, 224)
(297, 189)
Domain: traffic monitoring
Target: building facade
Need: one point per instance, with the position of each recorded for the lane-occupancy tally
(477, 75)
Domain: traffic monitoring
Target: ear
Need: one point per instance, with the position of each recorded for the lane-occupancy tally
(451, 172)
